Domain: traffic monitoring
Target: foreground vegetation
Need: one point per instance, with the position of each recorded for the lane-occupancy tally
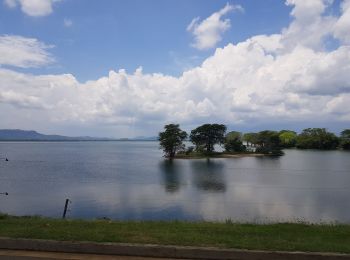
(267, 142)
(284, 237)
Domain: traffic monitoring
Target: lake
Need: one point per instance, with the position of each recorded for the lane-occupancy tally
(132, 181)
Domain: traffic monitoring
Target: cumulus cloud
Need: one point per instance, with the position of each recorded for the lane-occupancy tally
(310, 26)
(261, 80)
(342, 26)
(20, 100)
(23, 52)
(340, 107)
(33, 7)
(208, 33)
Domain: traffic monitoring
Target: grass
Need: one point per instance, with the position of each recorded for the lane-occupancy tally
(283, 237)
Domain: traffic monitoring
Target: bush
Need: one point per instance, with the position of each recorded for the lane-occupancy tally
(234, 145)
(345, 144)
(189, 150)
(345, 139)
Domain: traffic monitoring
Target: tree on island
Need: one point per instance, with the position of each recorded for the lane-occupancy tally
(269, 143)
(317, 138)
(233, 142)
(345, 139)
(250, 138)
(206, 136)
(171, 140)
(288, 138)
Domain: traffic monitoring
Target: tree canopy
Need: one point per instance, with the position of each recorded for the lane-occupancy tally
(206, 136)
(345, 139)
(345, 133)
(250, 138)
(171, 140)
(317, 138)
(233, 142)
(269, 143)
(288, 138)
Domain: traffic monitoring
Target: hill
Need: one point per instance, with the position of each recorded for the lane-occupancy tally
(24, 135)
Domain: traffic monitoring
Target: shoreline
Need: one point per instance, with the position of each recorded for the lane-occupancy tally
(219, 156)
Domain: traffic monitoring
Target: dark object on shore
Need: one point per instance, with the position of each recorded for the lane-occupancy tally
(65, 209)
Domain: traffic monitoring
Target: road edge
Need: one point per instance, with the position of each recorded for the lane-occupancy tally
(158, 250)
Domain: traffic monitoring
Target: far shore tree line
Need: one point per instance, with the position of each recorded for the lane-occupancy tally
(269, 142)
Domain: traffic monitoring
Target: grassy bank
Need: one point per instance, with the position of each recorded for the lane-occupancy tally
(285, 237)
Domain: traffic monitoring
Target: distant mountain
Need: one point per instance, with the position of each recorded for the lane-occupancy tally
(23, 135)
(145, 138)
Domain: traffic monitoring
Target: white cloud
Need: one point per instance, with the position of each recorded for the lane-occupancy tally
(23, 52)
(306, 11)
(342, 26)
(261, 80)
(33, 7)
(340, 106)
(67, 22)
(309, 27)
(20, 100)
(208, 32)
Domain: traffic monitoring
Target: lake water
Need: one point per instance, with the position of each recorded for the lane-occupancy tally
(131, 181)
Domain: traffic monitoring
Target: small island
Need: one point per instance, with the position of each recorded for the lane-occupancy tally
(236, 144)
(207, 136)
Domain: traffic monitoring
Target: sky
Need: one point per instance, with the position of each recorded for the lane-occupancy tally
(126, 68)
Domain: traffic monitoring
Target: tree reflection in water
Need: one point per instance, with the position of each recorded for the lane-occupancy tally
(209, 175)
(171, 174)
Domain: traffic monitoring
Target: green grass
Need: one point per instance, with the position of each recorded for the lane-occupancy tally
(284, 237)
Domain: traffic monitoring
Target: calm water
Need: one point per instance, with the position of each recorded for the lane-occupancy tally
(131, 180)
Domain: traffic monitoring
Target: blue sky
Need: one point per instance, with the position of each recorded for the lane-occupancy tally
(126, 68)
(127, 34)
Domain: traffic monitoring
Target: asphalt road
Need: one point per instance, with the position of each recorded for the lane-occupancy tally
(31, 255)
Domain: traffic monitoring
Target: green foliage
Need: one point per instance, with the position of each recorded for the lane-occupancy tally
(250, 138)
(269, 143)
(345, 139)
(345, 144)
(345, 133)
(288, 138)
(317, 138)
(3, 216)
(171, 140)
(233, 142)
(189, 150)
(233, 135)
(206, 136)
